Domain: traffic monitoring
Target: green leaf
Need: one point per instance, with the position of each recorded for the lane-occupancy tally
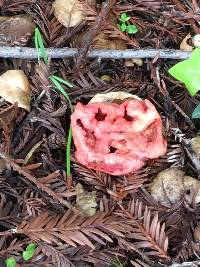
(39, 45)
(56, 81)
(117, 263)
(188, 72)
(68, 152)
(196, 112)
(61, 90)
(123, 17)
(123, 27)
(28, 253)
(11, 262)
(69, 84)
(131, 29)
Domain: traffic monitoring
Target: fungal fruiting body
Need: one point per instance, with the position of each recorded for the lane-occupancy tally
(117, 138)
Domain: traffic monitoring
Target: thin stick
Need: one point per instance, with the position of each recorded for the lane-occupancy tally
(186, 264)
(31, 53)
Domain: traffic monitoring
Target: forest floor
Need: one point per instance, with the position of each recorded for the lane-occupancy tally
(41, 223)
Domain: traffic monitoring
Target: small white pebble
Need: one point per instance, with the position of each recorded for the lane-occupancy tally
(196, 40)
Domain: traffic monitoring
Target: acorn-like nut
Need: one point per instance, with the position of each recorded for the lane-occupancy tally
(15, 88)
(195, 144)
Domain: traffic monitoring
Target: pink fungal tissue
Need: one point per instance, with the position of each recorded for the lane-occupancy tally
(117, 138)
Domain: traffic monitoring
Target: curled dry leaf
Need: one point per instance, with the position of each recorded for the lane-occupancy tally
(70, 13)
(2, 165)
(102, 40)
(184, 46)
(15, 88)
(197, 233)
(16, 30)
(85, 201)
(115, 133)
(196, 40)
(105, 41)
(169, 186)
(34, 149)
(195, 143)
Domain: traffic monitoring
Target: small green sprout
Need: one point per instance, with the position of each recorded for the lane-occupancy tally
(27, 254)
(11, 262)
(57, 82)
(125, 25)
(68, 160)
(117, 263)
(29, 251)
(39, 45)
(62, 81)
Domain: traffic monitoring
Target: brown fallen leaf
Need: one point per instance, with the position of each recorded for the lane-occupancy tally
(195, 143)
(169, 186)
(16, 30)
(15, 88)
(102, 40)
(184, 46)
(2, 165)
(70, 13)
(85, 201)
(197, 233)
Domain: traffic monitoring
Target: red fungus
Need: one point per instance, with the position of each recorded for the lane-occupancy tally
(117, 138)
